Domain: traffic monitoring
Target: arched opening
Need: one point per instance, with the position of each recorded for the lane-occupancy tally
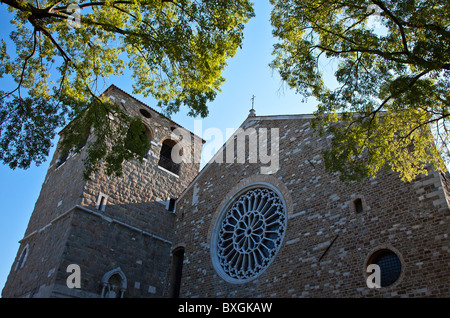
(145, 113)
(165, 157)
(114, 284)
(138, 138)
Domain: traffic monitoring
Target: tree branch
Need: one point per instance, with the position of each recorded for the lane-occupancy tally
(397, 22)
(425, 123)
(48, 35)
(24, 66)
(90, 4)
(385, 55)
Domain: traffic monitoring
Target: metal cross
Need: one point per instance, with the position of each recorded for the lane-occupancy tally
(253, 100)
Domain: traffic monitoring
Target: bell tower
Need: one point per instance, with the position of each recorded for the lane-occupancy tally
(112, 235)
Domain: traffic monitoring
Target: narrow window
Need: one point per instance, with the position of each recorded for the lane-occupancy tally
(177, 270)
(22, 258)
(358, 206)
(101, 202)
(171, 205)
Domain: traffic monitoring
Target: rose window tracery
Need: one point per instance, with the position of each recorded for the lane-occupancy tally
(250, 233)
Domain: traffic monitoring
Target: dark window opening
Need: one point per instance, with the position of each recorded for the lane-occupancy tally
(171, 205)
(165, 157)
(358, 206)
(101, 202)
(390, 266)
(145, 113)
(22, 258)
(177, 271)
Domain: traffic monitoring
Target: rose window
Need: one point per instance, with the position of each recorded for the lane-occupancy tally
(250, 233)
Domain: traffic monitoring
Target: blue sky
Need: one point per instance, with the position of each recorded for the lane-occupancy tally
(247, 74)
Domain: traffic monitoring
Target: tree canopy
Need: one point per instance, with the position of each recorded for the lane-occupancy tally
(176, 51)
(391, 107)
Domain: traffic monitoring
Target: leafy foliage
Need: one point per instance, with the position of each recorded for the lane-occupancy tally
(392, 99)
(176, 51)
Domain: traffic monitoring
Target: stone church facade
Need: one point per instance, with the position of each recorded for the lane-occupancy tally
(282, 227)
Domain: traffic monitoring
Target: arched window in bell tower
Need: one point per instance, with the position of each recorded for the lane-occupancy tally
(138, 135)
(165, 157)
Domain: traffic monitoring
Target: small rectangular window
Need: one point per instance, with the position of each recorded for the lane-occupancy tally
(171, 205)
(101, 202)
(358, 206)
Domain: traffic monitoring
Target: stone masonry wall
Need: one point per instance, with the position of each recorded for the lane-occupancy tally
(139, 197)
(139, 200)
(134, 230)
(327, 244)
(45, 250)
(98, 246)
(47, 229)
(62, 189)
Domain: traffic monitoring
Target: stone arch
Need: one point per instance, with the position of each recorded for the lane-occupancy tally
(114, 284)
(165, 156)
(149, 132)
